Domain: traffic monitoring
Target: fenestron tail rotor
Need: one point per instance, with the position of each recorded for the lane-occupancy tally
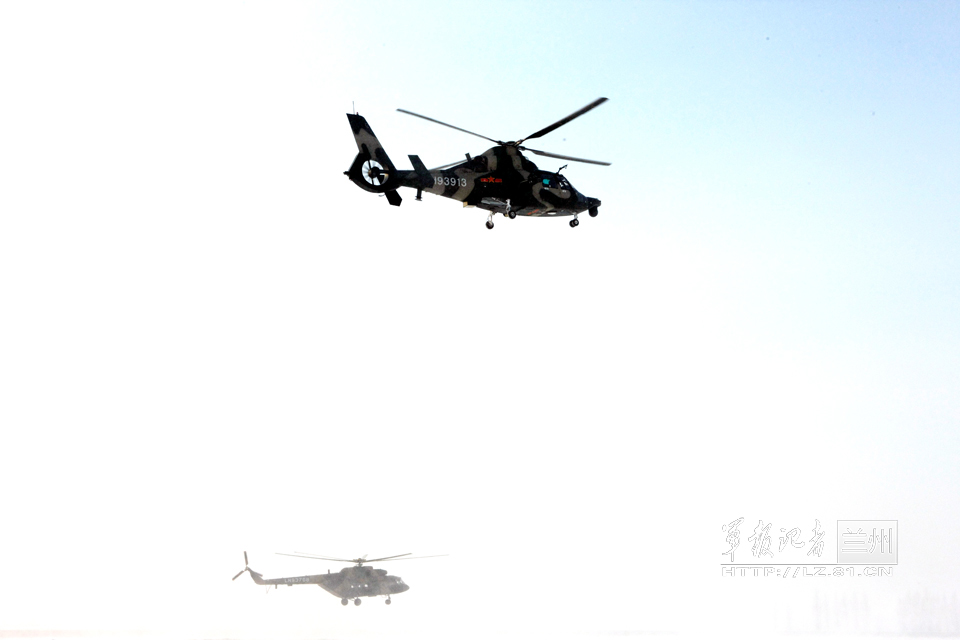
(374, 173)
(246, 566)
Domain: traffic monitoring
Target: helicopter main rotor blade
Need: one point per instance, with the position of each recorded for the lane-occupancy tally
(413, 557)
(402, 556)
(387, 558)
(447, 166)
(362, 560)
(312, 556)
(411, 113)
(560, 123)
(238, 575)
(557, 155)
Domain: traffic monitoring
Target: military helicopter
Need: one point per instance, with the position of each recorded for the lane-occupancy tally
(501, 180)
(348, 583)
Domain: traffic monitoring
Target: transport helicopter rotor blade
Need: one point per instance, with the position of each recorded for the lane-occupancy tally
(441, 555)
(560, 123)
(411, 113)
(387, 558)
(239, 574)
(557, 155)
(363, 560)
(313, 556)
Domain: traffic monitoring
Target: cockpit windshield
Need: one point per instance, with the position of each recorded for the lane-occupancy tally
(555, 181)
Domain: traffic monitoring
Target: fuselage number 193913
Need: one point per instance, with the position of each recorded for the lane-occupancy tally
(444, 181)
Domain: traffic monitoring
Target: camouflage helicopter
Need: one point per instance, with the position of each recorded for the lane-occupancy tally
(348, 583)
(501, 180)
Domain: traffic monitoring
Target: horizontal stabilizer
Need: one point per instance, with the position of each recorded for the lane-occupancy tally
(418, 166)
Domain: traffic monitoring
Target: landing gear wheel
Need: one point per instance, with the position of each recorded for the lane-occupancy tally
(512, 214)
(357, 602)
(574, 222)
(489, 224)
(344, 602)
(388, 600)
(593, 212)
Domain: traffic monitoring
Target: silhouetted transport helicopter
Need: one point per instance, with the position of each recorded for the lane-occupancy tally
(350, 583)
(501, 180)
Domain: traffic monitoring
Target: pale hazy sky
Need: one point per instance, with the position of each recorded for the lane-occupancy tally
(213, 342)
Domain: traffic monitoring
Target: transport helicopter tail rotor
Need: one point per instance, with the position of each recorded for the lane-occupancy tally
(246, 566)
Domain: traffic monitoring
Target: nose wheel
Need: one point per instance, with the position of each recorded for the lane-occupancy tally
(388, 600)
(357, 602)
(344, 602)
(574, 222)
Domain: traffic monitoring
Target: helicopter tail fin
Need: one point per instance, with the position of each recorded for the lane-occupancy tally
(372, 169)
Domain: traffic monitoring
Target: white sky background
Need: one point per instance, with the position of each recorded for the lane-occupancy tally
(212, 341)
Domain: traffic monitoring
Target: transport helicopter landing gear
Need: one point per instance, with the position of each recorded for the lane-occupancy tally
(357, 602)
(344, 601)
(388, 600)
(490, 221)
(574, 222)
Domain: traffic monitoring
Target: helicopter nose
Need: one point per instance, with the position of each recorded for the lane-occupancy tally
(593, 202)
